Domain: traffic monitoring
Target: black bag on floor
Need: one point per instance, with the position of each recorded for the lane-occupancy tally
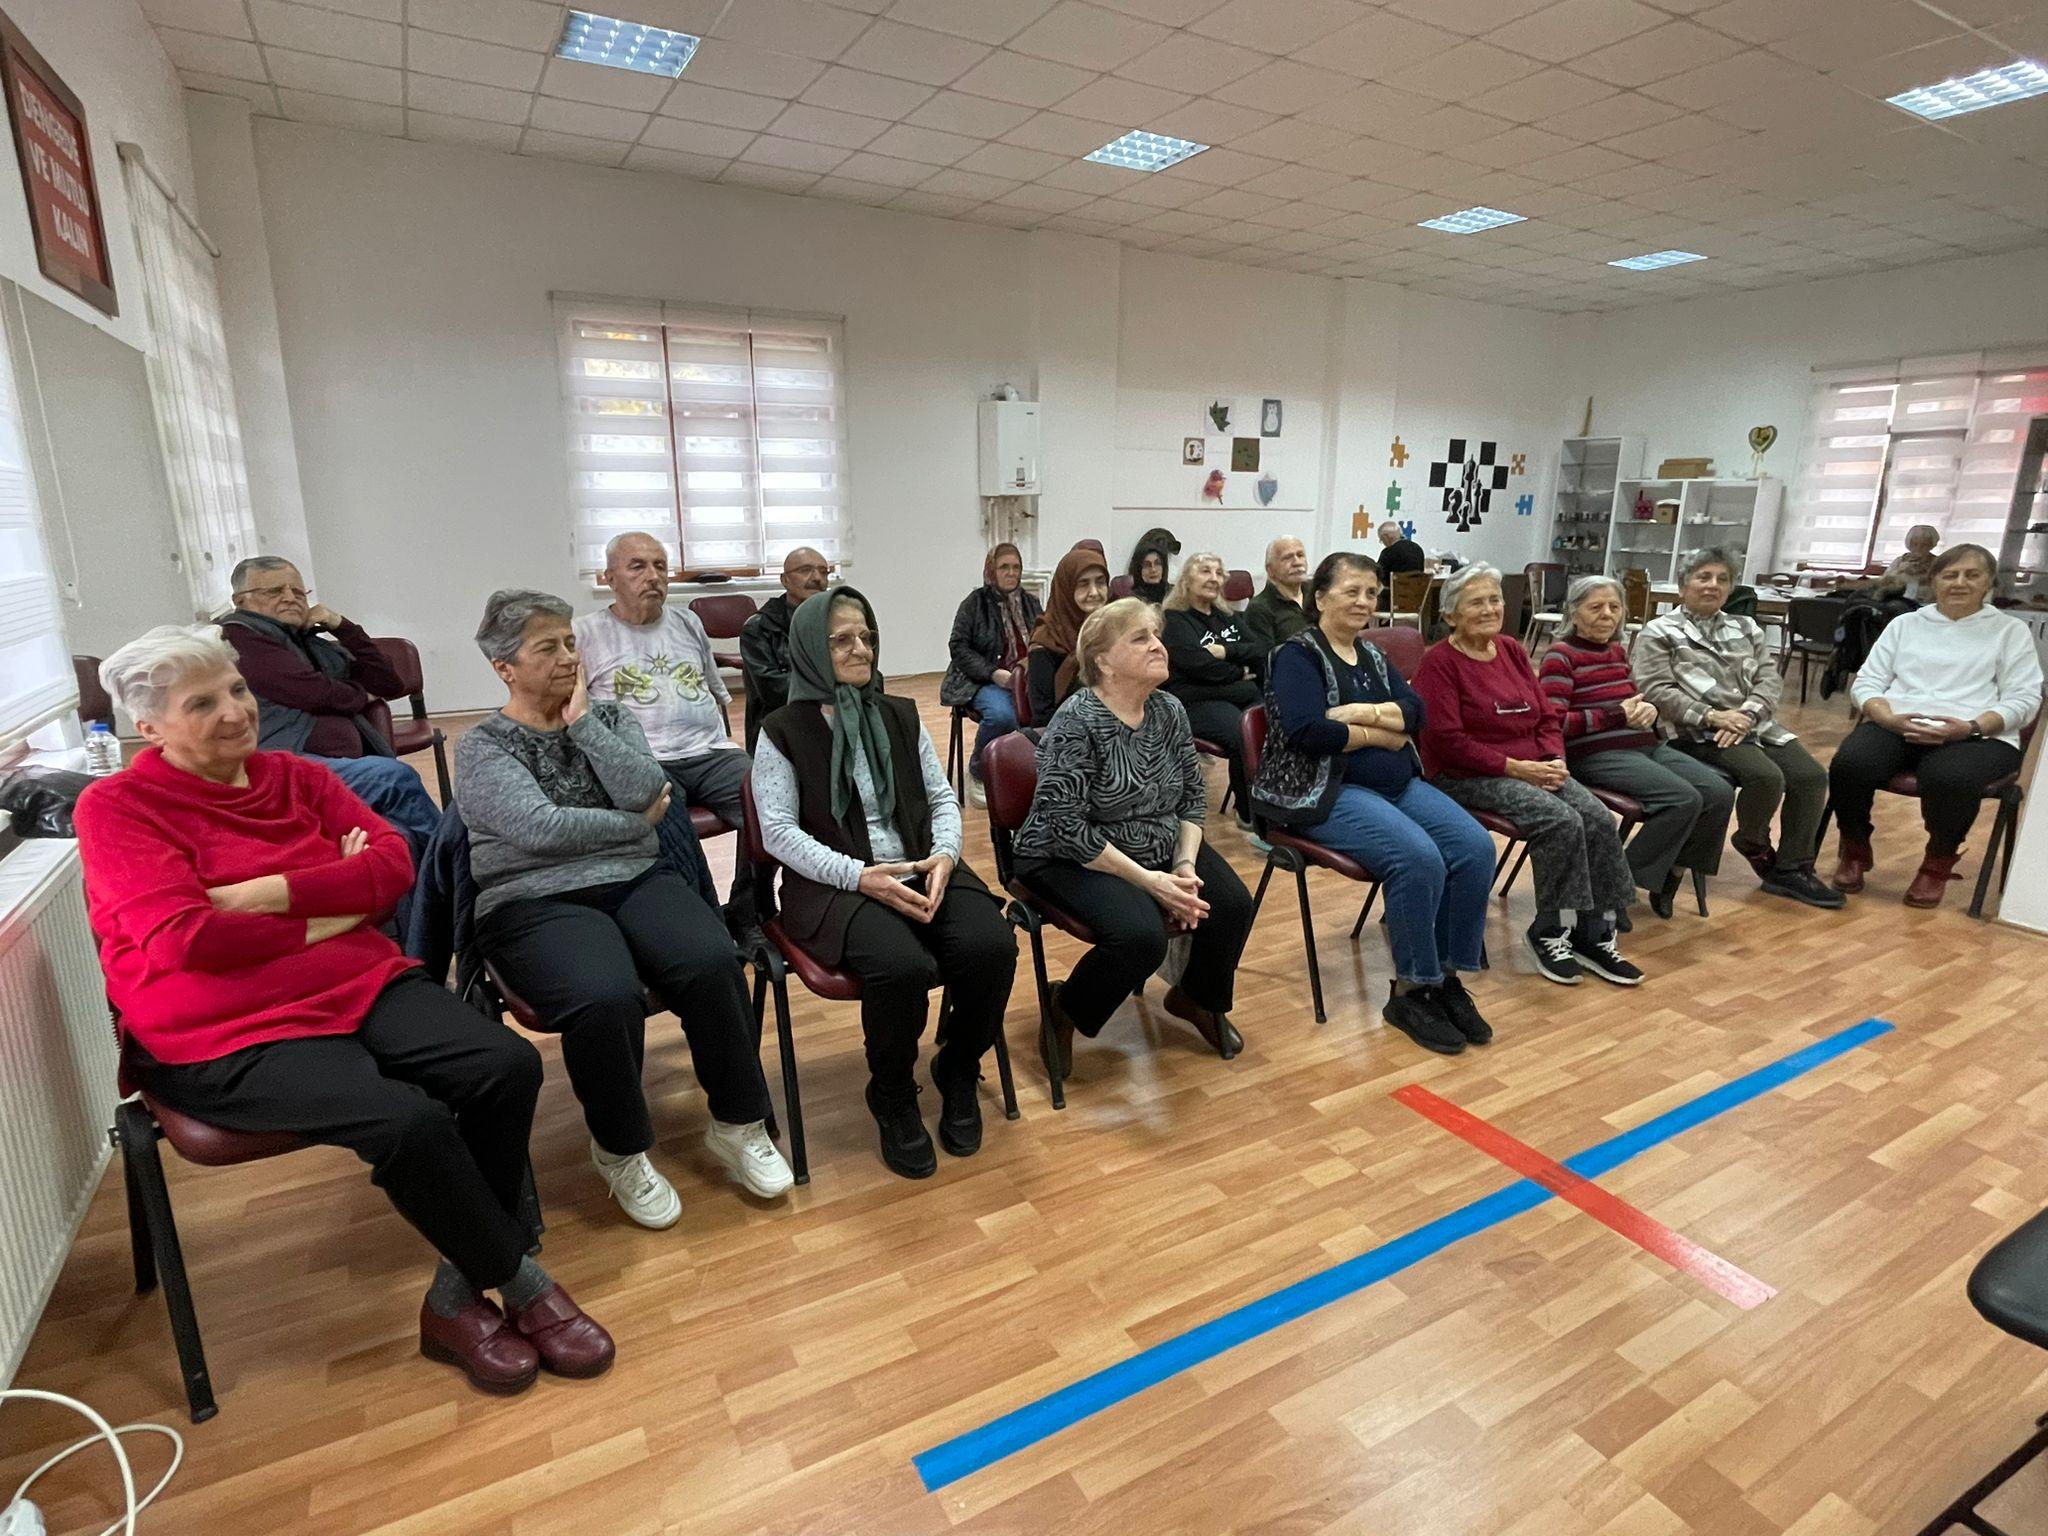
(39, 801)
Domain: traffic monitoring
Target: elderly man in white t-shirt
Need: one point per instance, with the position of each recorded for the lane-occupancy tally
(656, 661)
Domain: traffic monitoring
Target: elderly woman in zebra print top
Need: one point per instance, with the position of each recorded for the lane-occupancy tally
(1115, 838)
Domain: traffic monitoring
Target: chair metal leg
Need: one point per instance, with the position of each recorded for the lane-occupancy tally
(1266, 874)
(1963, 1511)
(1827, 816)
(441, 769)
(1365, 911)
(792, 1102)
(529, 1207)
(1308, 940)
(144, 1167)
(2003, 830)
(1048, 1042)
(760, 1014)
(955, 769)
(1005, 1077)
(1508, 884)
(139, 1246)
(1699, 891)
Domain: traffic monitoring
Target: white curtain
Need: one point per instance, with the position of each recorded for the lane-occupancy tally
(36, 681)
(193, 392)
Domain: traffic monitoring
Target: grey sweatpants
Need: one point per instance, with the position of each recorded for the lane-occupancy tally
(1686, 805)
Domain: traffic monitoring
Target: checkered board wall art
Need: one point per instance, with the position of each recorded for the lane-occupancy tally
(1468, 482)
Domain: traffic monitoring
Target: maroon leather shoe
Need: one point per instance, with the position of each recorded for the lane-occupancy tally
(477, 1340)
(569, 1341)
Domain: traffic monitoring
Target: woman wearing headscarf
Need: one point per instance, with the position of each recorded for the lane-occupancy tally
(1080, 585)
(856, 809)
(1148, 573)
(991, 633)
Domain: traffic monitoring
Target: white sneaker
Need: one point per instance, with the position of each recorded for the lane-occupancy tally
(976, 795)
(750, 1156)
(642, 1193)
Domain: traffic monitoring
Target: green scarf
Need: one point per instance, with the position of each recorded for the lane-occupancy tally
(857, 724)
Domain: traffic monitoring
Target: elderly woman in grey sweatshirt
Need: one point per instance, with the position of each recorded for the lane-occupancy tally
(562, 798)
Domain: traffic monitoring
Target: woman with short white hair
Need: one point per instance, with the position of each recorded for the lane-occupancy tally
(1610, 742)
(1212, 659)
(235, 896)
(1492, 741)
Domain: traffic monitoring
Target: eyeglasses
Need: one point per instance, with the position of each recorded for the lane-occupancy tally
(1512, 709)
(298, 592)
(842, 645)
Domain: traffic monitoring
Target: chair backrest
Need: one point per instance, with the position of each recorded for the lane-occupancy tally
(1238, 587)
(1813, 619)
(1546, 581)
(403, 658)
(1410, 590)
(723, 614)
(1020, 691)
(1635, 595)
(378, 713)
(1254, 728)
(1120, 586)
(1009, 780)
(1400, 645)
(94, 706)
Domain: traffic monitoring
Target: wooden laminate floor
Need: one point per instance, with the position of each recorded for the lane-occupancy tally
(781, 1365)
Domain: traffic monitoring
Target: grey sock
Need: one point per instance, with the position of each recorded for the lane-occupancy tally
(450, 1291)
(527, 1282)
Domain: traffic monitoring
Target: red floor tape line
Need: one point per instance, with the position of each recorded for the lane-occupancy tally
(1682, 1253)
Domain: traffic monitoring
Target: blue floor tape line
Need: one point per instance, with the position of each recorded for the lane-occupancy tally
(978, 1448)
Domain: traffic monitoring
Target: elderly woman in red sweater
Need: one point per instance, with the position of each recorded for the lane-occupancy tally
(235, 896)
(1491, 740)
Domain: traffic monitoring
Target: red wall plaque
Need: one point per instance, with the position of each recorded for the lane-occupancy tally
(56, 170)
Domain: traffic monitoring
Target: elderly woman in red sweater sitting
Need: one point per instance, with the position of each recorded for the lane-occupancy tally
(235, 895)
(1610, 742)
(1492, 742)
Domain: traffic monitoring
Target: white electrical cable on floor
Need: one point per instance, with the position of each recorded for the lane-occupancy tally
(112, 1436)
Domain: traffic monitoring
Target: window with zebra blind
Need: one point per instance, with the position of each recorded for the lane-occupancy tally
(1925, 440)
(721, 432)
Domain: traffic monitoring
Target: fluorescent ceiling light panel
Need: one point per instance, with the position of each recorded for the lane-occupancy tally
(1973, 93)
(1141, 151)
(1470, 221)
(1655, 259)
(592, 39)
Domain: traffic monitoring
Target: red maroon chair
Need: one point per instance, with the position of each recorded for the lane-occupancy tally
(1010, 778)
(777, 956)
(1238, 586)
(1020, 693)
(2004, 825)
(417, 733)
(1401, 645)
(724, 615)
(1120, 586)
(94, 706)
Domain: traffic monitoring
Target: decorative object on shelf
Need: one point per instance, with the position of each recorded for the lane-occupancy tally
(1586, 427)
(1397, 456)
(1244, 455)
(1193, 449)
(1643, 509)
(1217, 415)
(1518, 463)
(1212, 488)
(1269, 418)
(1468, 482)
(1686, 469)
(1665, 512)
(1267, 487)
(1393, 496)
(1760, 440)
(1525, 505)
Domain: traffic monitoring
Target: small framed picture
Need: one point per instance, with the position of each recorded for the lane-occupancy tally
(1193, 450)
(1244, 455)
(1269, 419)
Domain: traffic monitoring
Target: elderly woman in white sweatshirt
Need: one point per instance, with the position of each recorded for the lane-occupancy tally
(1944, 693)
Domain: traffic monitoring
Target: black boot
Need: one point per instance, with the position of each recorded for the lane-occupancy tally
(1662, 899)
(906, 1145)
(959, 1108)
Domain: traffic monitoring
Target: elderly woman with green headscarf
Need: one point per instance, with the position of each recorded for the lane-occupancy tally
(856, 809)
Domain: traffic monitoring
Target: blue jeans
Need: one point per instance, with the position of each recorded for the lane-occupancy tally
(393, 790)
(1436, 865)
(998, 718)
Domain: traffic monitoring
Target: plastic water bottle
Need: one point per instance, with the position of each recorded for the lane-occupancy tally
(102, 751)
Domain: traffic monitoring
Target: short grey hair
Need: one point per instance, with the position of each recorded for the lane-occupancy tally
(1584, 587)
(1273, 549)
(507, 613)
(611, 546)
(1694, 561)
(255, 565)
(1455, 584)
(1390, 526)
(141, 674)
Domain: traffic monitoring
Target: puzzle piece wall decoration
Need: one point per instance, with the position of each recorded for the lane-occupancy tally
(1393, 496)
(1468, 481)
(1361, 524)
(1398, 454)
(1525, 506)
(1407, 529)
(1519, 463)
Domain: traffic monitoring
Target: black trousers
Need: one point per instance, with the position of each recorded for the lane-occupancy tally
(437, 1099)
(1952, 779)
(1131, 937)
(968, 947)
(1221, 722)
(581, 957)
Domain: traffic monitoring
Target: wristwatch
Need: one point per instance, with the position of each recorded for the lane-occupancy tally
(1976, 732)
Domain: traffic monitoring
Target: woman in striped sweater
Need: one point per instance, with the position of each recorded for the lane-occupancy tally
(1610, 741)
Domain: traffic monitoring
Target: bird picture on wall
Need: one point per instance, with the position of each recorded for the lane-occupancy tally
(1212, 488)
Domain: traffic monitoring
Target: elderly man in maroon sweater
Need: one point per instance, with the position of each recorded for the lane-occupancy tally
(315, 673)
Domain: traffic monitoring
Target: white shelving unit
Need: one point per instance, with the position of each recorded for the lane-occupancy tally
(1740, 516)
(1588, 469)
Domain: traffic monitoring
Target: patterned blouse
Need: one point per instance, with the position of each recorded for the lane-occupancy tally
(1099, 782)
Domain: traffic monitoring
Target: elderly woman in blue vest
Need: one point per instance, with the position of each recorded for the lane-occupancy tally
(991, 637)
(856, 809)
(1340, 769)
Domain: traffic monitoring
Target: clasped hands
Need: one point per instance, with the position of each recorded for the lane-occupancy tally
(1930, 730)
(1179, 893)
(884, 883)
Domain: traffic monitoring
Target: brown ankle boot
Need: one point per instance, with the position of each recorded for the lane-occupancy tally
(1931, 883)
(1854, 862)
(1213, 1027)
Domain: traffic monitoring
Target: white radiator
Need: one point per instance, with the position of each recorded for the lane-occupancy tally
(57, 1089)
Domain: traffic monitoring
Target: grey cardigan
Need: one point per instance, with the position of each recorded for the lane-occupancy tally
(553, 811)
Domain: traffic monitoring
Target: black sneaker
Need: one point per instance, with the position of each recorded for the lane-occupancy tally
(906, 1145)
(1554, 957)
(1802, 884)
(1458, 1007)
(1603, 958)
(959, 1112)
(1418, 1016)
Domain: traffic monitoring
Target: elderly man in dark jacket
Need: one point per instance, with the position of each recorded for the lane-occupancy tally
(764, 639)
